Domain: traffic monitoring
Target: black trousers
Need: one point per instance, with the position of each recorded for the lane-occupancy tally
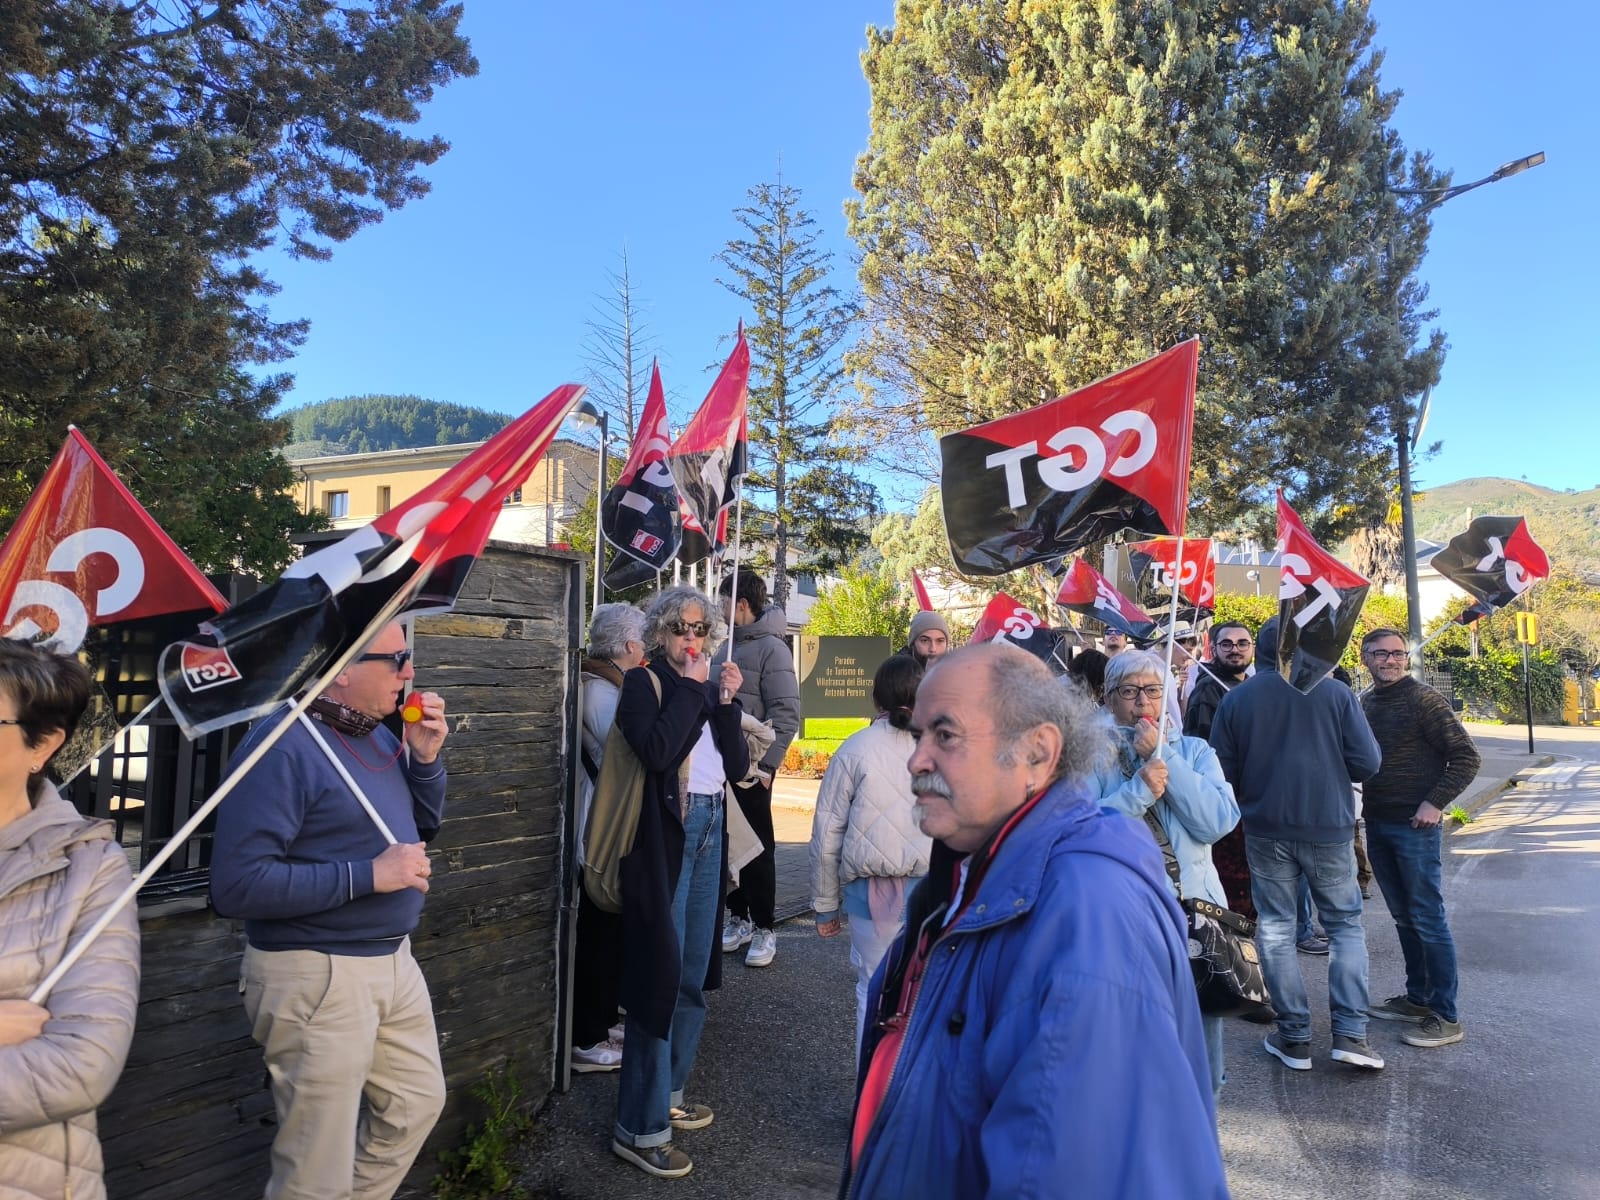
(596, 972)
(757, 893)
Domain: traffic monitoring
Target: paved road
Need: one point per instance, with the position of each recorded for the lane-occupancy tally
(1511, 1111)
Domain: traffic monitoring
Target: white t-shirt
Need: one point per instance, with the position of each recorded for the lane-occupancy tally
(706, 775)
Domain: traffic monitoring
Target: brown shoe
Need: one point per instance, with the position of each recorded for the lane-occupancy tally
(664, 1162)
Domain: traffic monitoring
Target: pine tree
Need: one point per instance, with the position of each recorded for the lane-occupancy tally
(796, 375)
(1055, 190)
(147, 152)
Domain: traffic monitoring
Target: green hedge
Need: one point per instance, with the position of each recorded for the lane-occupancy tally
(1492, 684)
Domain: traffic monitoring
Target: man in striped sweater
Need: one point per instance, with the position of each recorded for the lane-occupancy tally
(1428, 760)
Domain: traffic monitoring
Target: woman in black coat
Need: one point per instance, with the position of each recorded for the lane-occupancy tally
(685, 731)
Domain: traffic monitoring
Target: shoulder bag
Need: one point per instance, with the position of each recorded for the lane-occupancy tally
(613, 817)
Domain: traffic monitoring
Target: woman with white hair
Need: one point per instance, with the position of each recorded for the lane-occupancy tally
(1184, 790)
(616, 646)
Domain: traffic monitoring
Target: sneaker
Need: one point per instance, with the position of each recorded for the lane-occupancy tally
(736, 932)
(690, 1116)
(1434, 1031)
(763, 948)
(602, 1056)
(1400, 1008)
(664, 1162)
(618, 1032)
(1294, 1055)
(1312, 945)
(1356, 1052)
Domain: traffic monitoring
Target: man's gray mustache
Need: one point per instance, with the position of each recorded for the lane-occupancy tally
(930, 783)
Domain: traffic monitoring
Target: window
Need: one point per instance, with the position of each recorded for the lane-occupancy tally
(336, 504)
(515, 497)
(383, 499)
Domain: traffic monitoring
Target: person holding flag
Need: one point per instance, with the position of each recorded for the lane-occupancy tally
(334, 997)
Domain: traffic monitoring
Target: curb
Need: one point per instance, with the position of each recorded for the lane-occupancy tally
(1488, 794)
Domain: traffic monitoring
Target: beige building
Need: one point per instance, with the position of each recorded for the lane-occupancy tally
(353, 489)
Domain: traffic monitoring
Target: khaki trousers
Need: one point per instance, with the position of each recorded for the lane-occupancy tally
(338, 1029)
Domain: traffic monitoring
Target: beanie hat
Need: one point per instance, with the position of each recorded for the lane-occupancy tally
(925, 621)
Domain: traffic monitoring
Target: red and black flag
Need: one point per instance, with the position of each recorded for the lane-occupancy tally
(924, 601)
(1006, 620)
(1046, 482)
(1494, 562)
(709, 458)
(639, 515)
(1087, 592)
(1154, 564)
(84, 553)
(1319, 599)
(281, 640)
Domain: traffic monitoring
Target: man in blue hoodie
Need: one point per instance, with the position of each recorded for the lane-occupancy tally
(1034, 1031)
(332, 992)
(1291, 758)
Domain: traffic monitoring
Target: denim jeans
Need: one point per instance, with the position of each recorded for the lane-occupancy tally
(654, 1071)
(1305, 915)
(1406, 864)
(1276, 869)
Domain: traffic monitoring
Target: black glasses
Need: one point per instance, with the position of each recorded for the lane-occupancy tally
(10, 722)
(395, 658)
(683, 629)
(1227, 644)
(1150, 691)
(1391, 655)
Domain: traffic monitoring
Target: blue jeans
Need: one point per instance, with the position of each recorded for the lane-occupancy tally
(654, 1071)
(1305, 915)
(1276, 869)
(1406, 863)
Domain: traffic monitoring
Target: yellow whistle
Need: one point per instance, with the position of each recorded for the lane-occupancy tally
(412, 712)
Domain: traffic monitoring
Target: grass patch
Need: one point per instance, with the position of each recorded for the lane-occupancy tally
(832, 729)
(1458, 814)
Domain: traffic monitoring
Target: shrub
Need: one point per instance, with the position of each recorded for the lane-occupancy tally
(1493, 684)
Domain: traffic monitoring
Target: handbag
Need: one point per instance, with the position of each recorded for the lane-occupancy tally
(1222, 952)
(613, 817)
(758, 738)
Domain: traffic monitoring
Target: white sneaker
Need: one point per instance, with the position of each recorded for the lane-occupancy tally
(763, 948)
(602, 1056)
(618, 1032)
(736, 932)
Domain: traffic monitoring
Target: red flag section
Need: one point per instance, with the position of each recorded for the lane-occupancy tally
(1155, 563)
(1007, 620)
(1046, 482)
(84, 553)
(640, 513)
(1319, 599)
(1087, 592)
(921, 589)
(279, 641)
(709, 458)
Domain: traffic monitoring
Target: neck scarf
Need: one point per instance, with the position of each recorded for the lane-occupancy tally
(342, 717)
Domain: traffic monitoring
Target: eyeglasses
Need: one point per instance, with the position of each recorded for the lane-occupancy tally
(10, 722)
(1150, 691)
(1391, 655)
(395, 658)
(683, 629)
(1227, 644)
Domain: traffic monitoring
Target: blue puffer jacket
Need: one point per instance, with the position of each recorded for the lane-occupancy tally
(1055, 1048)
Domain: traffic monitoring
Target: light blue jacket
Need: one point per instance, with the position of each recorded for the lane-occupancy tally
(1055, 1048)
(1196, 810)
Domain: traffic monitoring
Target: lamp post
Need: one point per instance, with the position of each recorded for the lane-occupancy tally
(1406, 435)
(586, 413)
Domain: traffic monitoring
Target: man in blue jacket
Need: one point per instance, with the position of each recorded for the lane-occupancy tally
(334, 997)
(1034, 1032)
(1291, 758)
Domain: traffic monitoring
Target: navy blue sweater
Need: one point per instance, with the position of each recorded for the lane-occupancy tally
(1291, 757)
(294, 849)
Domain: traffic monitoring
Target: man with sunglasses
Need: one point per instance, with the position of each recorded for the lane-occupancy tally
(332, 992)
(1428, 760)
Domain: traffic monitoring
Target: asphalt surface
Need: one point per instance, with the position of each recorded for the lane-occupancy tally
(1509, 1113)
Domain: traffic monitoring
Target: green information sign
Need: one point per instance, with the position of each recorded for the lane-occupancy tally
(836, 675)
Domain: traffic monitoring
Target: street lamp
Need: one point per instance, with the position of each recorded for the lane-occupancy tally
(586, 413)
(1406, 436)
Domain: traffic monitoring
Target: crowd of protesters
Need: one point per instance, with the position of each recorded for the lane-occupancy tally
(1006, 848)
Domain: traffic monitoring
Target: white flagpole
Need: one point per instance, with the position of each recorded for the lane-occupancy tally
(1172, 640)
(349, 781)
(386, 614)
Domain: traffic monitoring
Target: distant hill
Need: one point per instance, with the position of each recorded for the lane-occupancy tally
(362, 424)
(1566, 524)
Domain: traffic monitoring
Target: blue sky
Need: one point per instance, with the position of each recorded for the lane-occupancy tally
(594, 126)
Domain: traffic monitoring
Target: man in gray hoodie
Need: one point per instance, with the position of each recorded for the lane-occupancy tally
(770, 692)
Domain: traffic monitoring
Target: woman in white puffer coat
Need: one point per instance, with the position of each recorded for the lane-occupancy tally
(867, 851)
(58, 872)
